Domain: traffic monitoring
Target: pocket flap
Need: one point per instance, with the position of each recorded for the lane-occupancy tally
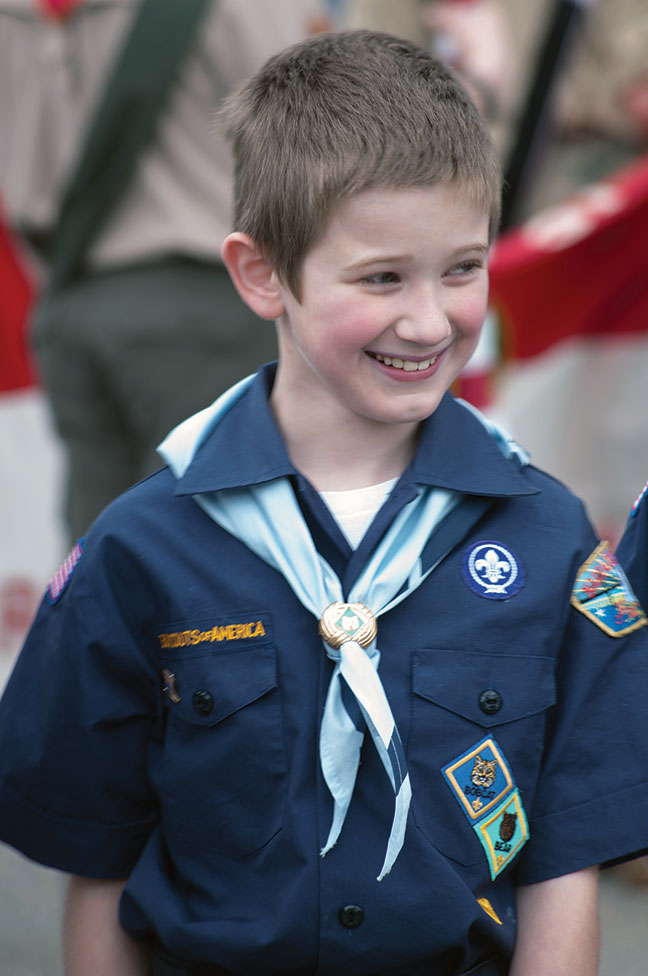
(464, 682)
(212, 686)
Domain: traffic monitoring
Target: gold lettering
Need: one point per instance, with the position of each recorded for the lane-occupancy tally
(218, 633)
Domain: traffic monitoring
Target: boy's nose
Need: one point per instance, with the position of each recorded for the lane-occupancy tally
(424, 322)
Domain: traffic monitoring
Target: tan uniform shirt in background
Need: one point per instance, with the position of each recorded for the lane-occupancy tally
(51, 75)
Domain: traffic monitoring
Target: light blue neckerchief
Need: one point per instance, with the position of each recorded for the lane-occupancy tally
(268, 520)
(507, 445)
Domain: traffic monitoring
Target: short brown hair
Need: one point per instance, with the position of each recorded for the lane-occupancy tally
(344, 112)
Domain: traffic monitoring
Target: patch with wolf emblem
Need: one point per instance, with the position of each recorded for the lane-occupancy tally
(603, 593)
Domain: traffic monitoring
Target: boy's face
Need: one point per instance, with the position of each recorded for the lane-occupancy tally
(393, 299)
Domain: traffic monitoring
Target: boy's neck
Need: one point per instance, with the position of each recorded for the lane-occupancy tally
(340, 456)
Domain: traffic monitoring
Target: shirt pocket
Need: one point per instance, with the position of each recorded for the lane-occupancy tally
(224, 771)
(459, 699)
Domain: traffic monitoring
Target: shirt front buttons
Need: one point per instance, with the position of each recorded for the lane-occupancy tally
(351, 916)
(202, 702)
(490, 701)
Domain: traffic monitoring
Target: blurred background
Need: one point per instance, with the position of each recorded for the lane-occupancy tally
(117, 318)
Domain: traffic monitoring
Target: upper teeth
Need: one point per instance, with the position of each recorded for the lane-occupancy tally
(407, 364)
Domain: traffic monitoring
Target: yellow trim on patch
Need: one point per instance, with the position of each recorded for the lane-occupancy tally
(496, 860)
(620, 596)
(488, 908)
(458, 789)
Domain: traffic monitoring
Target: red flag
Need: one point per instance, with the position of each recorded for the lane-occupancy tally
(16, 370)
(577, 269)
(58, 8)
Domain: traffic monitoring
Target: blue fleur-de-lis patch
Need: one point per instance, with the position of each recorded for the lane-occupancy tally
(492, 570)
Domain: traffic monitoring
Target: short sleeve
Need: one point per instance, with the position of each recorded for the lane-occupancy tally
(79, 721)
(591, 803)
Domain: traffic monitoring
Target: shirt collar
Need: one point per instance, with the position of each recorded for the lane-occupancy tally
(457, 452)
(246, 448)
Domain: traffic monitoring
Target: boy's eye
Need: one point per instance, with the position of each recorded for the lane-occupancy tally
(381, 278)
(465, 267)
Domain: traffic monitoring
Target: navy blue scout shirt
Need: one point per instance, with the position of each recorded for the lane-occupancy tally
(162, 722)
(632, 550)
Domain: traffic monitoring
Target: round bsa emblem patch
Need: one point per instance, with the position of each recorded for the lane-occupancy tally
(492, 570)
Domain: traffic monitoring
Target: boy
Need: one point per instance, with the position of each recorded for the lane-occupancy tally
(176, 721)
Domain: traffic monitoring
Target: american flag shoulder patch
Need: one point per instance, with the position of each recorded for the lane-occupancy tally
(63, 575)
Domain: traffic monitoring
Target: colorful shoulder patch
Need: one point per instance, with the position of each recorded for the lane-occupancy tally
(483, 785)
(603, 593)
(63, 575)
(640, 497)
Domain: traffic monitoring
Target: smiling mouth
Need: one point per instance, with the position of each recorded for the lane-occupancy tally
(408, 365)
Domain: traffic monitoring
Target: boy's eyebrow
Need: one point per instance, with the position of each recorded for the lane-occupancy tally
(378, 259)
(479, 246)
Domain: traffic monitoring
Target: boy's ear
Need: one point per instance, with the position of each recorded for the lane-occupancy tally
(253, 277)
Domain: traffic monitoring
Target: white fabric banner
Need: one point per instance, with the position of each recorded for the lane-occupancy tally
(580, 410)
(32, 541)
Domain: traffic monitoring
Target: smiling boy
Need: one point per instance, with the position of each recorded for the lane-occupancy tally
(336, 691)
(387, 315)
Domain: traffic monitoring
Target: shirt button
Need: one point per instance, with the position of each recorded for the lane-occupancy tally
(202, 702)
(490, 701)
(351, 916)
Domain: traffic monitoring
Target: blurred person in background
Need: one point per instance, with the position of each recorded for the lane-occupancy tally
(599, 115)
(144, 327)
(472, 36)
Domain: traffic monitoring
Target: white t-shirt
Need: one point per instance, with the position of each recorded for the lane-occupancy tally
(355, 508)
